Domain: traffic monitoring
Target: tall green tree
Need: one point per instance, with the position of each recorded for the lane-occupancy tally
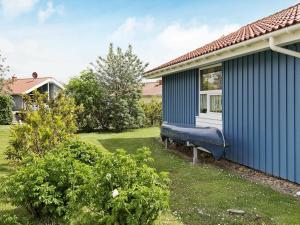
(87, 92)
(119, 74)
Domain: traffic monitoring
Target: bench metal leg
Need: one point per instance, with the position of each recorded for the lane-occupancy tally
(195, 155)
(166, 143)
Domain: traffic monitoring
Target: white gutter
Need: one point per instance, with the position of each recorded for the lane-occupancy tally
(285, 51)
(283, 36)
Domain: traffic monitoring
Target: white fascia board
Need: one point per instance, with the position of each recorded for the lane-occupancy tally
(50, 80)
(282, 37)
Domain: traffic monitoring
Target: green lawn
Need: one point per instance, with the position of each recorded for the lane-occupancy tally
(199, 194)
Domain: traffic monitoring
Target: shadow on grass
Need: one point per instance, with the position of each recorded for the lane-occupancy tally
(163, 159)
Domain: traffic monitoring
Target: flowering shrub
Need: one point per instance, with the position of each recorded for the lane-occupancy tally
(45, 186)
(123, 190)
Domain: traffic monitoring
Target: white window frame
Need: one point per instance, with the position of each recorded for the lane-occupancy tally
(211, 119)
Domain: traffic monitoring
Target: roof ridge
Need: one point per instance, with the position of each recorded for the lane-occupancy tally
(34, 78)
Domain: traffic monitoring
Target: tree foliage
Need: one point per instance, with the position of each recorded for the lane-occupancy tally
(87, 92)
(119, 75)
(123, 190)
(45, 186)
(76, 184)
(3, 70)
(153, 112)
(6, 104)
(47, 123)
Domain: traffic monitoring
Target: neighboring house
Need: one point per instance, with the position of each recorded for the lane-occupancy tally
(25, 86)
(152, 90)
(246, 84)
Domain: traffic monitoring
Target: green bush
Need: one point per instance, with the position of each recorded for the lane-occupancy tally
(79, 150)
(47, 123)
(153, 112)
(123, 190)
(87, 92)
(45, 186)
(9, 220)
(6, 104)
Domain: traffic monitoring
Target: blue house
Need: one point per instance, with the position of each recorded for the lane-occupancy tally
(244, 86)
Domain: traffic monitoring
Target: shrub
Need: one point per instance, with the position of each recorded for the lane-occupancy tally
(45, 186)
(123, 190)
(9, 220)
(6, 104)
(47, 123)
(79, 150)
(153, 112)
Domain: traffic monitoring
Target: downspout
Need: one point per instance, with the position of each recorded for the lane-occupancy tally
(285, 51)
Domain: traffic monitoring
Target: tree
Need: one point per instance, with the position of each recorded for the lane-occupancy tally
(3, 70)
(6, 104)
(86, 91)
(119, 75)
(47, 123)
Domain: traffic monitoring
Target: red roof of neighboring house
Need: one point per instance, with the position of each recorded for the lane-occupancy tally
(21, 86)
(152, 89)
(279, 20)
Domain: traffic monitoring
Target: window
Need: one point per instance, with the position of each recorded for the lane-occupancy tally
(211, 90)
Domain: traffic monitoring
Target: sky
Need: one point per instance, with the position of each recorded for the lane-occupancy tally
(61, 38)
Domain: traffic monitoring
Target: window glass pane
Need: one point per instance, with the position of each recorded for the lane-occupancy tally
(216, 103)
(203, 103)
(211, 81)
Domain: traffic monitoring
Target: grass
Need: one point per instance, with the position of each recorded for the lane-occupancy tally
(199, 194)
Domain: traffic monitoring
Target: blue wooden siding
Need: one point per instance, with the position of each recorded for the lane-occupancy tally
(180, 97)
(261, 117)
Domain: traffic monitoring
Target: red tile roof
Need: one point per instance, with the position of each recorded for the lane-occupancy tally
(20, 86)
(152, 89)
(279, 20)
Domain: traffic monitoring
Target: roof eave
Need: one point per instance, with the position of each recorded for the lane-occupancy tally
(283, 36)
(49, 80)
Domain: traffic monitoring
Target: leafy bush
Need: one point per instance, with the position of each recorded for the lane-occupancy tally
(79, 150)
(45, 186)
(123, 190)
(6, 104)
(153, 112)
(47, 123)
(87, 92)
(9, 220)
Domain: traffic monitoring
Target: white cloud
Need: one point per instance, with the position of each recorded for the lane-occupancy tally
(49, 11)
(60, 51)
(38, 51)
(177, 37)
(14, 8)
(160, 43)
(133, 27)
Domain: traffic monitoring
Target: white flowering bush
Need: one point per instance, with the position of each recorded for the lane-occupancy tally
(123, 190)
